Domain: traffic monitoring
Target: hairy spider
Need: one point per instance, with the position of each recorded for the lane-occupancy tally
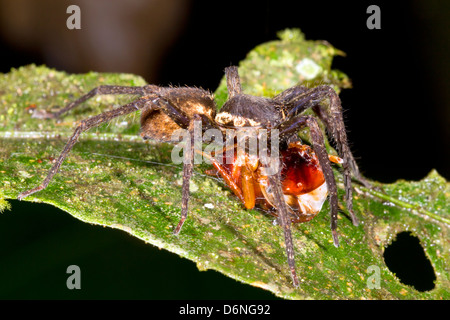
(294, 192)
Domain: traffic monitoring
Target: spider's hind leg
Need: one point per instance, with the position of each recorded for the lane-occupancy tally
(100, 90)
(83, 126)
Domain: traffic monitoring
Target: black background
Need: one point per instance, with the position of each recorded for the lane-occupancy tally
(397, 115)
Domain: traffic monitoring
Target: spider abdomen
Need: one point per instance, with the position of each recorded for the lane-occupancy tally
(156, 124)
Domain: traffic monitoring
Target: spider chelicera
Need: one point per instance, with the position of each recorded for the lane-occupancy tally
(295, 192)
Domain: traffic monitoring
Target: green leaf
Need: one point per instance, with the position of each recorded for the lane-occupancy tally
(113, 178)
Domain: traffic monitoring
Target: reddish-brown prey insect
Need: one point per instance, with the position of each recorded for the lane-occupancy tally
(292, 180)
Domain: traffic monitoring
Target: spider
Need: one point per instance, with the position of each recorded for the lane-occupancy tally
(295, 192)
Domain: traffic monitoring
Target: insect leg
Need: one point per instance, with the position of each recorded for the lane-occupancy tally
(248, 188)
(83, 126)
(225, 176)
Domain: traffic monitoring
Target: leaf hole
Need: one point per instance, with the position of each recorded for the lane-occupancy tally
(406, 258)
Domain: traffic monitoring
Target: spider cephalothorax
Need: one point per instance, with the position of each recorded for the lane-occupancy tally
(303, 177)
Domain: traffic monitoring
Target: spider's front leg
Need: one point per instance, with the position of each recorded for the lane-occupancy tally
(299, 99)
(293, 125)
(333, 119)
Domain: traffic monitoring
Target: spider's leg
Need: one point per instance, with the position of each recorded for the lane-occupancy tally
(100, 90)
(293, 125)
(188, 163)
(184, 122)
(280, 204)
(175, 113)
(83, 126)
(335, 125)
(287, 95)
(299, 99)
(233, 81)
